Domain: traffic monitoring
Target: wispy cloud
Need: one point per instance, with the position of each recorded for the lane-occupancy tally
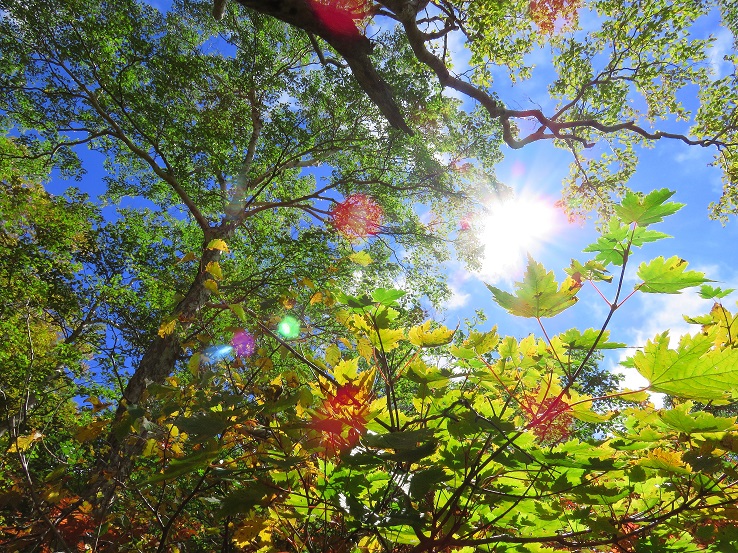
(720, 47)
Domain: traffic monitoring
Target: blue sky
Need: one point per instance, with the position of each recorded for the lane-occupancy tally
(538, 170)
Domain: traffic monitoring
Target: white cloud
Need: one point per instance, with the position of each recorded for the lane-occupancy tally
(458, 298)
(720, 47)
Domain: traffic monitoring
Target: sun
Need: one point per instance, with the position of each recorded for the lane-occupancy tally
(510, 229)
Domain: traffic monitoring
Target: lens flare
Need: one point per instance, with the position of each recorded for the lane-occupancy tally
(288, 328)
(357, 216)
(340, 16)
(217, 353)
(243, 343)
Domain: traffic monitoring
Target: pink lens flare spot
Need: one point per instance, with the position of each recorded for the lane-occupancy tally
(518, 169)
(466, 222)
(340, 16)
(357, 216)
(243, 343)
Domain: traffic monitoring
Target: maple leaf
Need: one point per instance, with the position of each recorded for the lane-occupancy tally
(537, 295)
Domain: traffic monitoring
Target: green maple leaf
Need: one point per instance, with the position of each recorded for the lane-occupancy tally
(668, 276)
(575, 339)
(647, 210)
(538, 294)
(612, 245)
(694, 370)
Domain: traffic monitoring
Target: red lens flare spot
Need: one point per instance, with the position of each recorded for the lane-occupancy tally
(340, 16)
(341, 419)
(357, 216)
(551, 14)
(549, 419)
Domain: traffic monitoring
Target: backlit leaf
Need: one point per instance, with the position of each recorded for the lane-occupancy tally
(189, 256)
(424, 337)
(648, 209)
(214, 269)
(238, 310)
(694, 370)
(218, 244)
(361, 258)
(22, 443)
(668, 276)
(538, 294)
(167, 327)
(91, 431)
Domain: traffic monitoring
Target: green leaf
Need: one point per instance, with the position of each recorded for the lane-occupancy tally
(180, 467)
(244, 499)
(575, 339)
(387, 296)
(361, 258)
(591, 270)
(538, 294)
(708, 292)
(681, 420)
(351, 301)
(694, 370)
(238, 310)
(647, 210)
(203, 426)
(668, 276)
(406, 440)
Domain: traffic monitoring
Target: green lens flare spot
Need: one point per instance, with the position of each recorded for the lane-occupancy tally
(288, 328)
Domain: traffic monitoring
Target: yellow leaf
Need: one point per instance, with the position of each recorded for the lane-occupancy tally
(291, 379)
(332, 354)
(211, 285)
(345, 370)
(346, 343)
(369, 544)
(666, 460)
(365, 349)
(97, 405)
(264, 363)
(91, 431)
(194, 364)
(387, 339)
(167, 327)
(361, 258)
(307, 282)
(152, 448)
(218, 244)
(317, 297)
(189, 256)
(22, 443)
(246, 534)
(424, 337)
(214, 269)
(238, 311)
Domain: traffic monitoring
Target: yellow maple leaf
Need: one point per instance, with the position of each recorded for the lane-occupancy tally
(218, 244)
(22, 443)
(167, 327)
(214, 269)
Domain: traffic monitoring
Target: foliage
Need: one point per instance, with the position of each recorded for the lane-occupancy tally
(214, 366)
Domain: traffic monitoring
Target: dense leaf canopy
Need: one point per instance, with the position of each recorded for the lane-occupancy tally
(215, 353)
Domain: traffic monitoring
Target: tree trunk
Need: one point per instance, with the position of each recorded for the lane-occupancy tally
(157, 363)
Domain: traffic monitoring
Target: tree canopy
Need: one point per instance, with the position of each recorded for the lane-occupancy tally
(237, 356)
